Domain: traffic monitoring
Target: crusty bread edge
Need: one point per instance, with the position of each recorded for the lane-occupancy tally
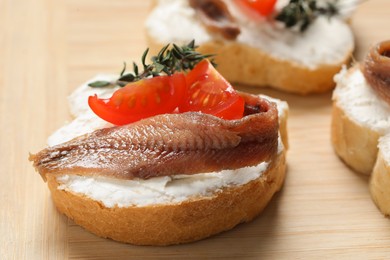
(283, 126)
(355, 144)
(243, 64)
(380, 184)
(169, 224)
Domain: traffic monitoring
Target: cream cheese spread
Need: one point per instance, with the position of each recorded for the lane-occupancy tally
(139, 192)
(360, 102)
(158, 190)
(326, 41)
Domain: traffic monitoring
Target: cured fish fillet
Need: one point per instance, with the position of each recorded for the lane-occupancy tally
(169, 144)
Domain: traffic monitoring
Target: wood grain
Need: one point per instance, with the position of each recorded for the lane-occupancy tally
(47, 48)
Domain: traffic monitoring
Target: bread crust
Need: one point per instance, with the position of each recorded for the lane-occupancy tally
(354, 143)
(380, 184)
(241, 63)
(168, 224)
(283, 128)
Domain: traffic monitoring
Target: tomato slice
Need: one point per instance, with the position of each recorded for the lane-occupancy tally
(263, 7)
(141, 99)
(210, 93)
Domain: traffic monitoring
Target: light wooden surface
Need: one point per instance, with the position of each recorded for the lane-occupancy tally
(47, 48)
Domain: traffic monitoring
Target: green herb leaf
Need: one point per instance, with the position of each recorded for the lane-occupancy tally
(159, 67)
(135, 68)
(123, 70)
(143, 59)
(129, 77)
(302, 13)
(99, 84)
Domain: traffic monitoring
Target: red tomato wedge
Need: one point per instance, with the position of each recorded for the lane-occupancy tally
(141, 99)
(263, 7)
(210, 93)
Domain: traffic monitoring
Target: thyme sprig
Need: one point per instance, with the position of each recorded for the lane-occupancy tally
(303, 12)
(166, 62)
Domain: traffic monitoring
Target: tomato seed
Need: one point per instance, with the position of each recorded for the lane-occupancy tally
(195, 94)
(206, 100)
(131, 102)
(158, 98)
(118, 99)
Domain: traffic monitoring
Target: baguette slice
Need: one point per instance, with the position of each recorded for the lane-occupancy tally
(148, 222)
(167, 224)
(264, 54)
(359, 119)
(380, 179)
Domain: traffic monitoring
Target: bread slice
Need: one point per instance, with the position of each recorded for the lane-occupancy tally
(166, 224)
(162, 215)
(380, 179)
(359, 119)
(264, 54)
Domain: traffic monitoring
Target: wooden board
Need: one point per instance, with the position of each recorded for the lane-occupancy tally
(47, 48)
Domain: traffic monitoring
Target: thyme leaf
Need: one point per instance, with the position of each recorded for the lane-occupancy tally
(123, 70)
(127, 77)
(99, 84)
(302, 13)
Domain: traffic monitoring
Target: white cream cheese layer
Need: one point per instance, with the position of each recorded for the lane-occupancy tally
(138, 192)
(85, 121)
(160, 190)
(326, 41)
(360, 102)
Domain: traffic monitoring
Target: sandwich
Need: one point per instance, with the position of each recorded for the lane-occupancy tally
(167, 155)
(293, 46)
(361, 120)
